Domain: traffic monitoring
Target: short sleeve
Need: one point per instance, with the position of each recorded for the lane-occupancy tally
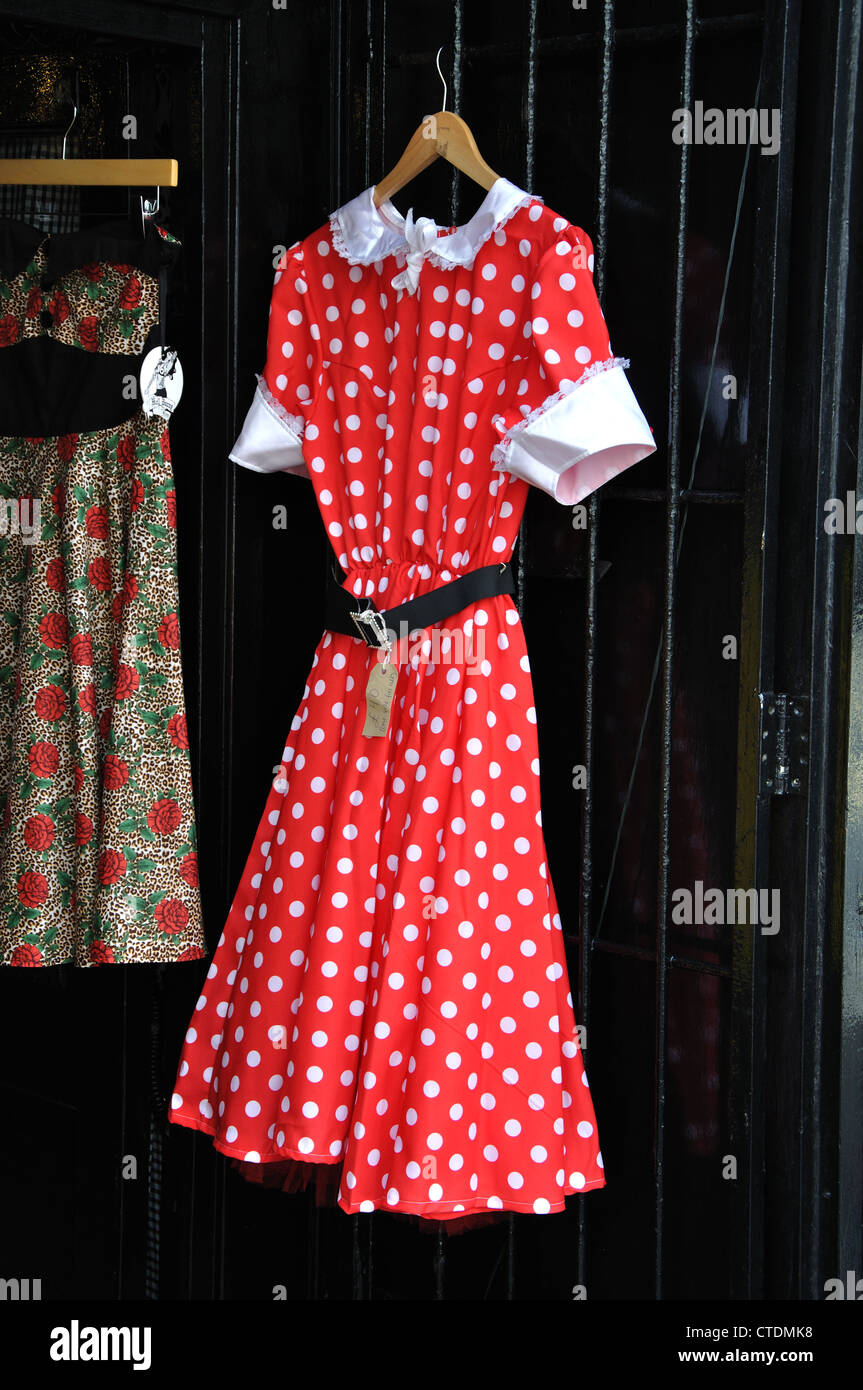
(271, 440)
(574, 421)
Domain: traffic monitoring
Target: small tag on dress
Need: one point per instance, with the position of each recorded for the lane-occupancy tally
(161, 379)
(380, 689)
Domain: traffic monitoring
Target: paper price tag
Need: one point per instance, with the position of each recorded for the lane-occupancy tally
(380, 689)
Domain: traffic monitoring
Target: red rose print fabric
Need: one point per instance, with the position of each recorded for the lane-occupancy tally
(99, 307)
(389, 997)
(98, 859)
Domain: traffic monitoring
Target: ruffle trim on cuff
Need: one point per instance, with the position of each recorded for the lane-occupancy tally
(275, 407)
(501, 449)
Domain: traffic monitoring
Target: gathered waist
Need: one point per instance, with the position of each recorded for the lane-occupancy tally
(393, 581)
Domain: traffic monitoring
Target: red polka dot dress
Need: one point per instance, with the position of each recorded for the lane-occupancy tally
(389, 995)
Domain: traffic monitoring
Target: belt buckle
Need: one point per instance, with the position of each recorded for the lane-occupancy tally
(369, 621)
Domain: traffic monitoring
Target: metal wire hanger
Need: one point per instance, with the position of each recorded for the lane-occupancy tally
(441, 136)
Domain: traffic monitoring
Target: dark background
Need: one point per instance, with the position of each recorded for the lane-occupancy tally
(703, 579)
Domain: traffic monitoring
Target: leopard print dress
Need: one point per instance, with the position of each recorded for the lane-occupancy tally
(98, 860)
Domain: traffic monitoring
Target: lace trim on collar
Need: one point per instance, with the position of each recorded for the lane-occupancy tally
(444, 263)
(399, 245)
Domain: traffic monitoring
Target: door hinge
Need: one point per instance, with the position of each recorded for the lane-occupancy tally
(783, 744)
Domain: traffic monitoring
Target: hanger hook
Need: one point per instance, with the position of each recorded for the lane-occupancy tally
(440, 74)
(150, 208)
(69, 127)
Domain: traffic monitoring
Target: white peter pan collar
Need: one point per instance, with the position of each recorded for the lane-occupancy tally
(363, 233)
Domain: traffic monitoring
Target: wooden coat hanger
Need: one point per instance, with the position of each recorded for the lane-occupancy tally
(115, 173)
(444, 135)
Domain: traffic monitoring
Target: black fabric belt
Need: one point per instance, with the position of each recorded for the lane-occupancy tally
(371, 624)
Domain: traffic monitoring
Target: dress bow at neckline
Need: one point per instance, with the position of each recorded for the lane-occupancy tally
(421, 236)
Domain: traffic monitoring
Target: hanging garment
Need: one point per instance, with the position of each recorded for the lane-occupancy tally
(389, 995)
(97, 835)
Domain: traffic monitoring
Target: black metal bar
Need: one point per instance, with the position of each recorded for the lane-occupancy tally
(529, 84)
(668, 635)
(356, 1260)
(604, 137)
(124, 1121)
(590, 615)
(455, 101)
(620, 492)
(759, 584)
(674, 961)
(337, 77)
(838, 414)
(850, 1235)
(214, 717)
(510, 1258)
(439, 1264)
(368, 97)
(530, 94)
(529, 104)
(563, 45)
(155, 1145)
(313, 1241)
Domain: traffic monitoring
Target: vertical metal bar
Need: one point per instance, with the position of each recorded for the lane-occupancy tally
(381, 87)
(850, 1235)
(669, 618)
(356, 1260)
(604, 129)
(439, 1264)
(590, 617)
(313, 1259)
(757, 650)
(222, 822)
(510, 1259)
(124, 1117)
(220, 134)
(530, 95)
(367, 103)
(374, 105)
(374, 108)
(454, 104)
(849, 1238)
(530, 119)
(823, 932)
(337, 79)
(157, 1123)
(336, 102)
(454, 98)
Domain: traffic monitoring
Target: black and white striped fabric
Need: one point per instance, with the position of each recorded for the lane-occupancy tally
(50, 208)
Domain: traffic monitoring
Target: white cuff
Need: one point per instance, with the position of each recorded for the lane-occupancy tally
(574, 444)
(267, 443)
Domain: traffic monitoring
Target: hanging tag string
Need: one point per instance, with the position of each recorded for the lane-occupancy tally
(163, 295)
